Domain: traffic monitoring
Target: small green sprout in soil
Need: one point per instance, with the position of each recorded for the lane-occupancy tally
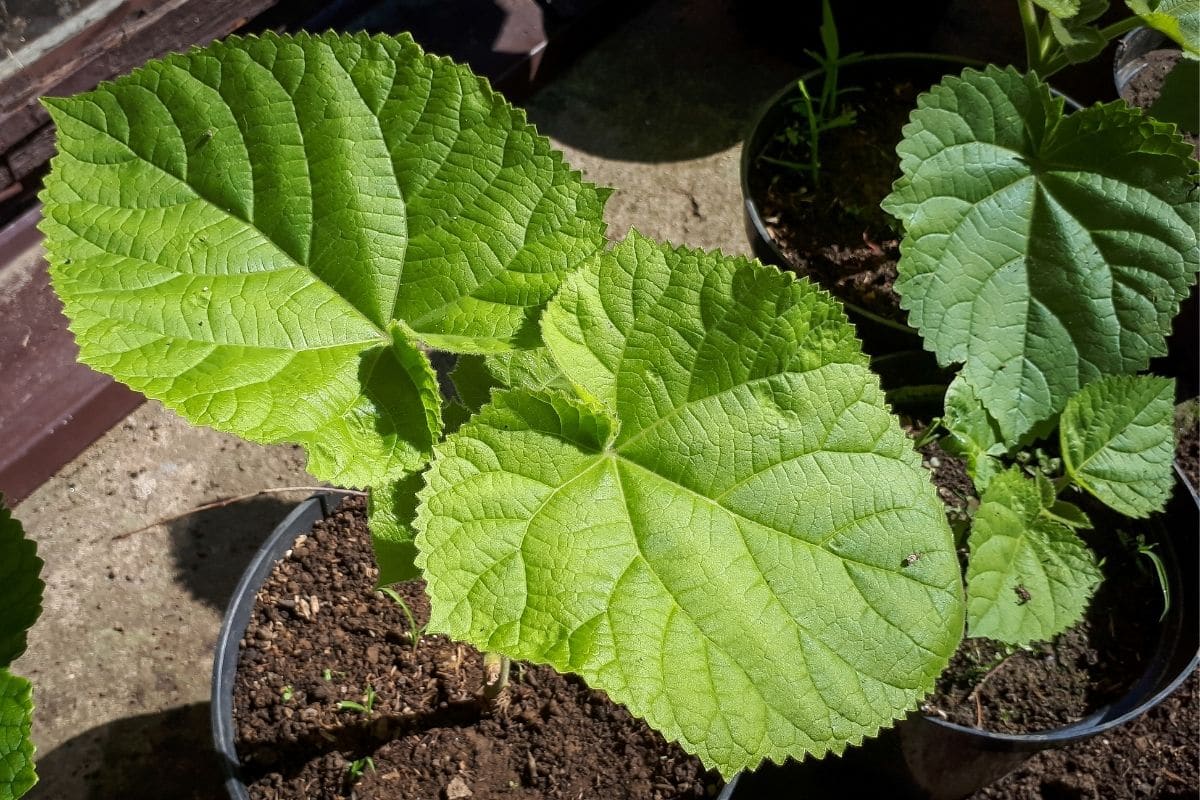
(415, 632)
(366, 707)
(287, 694)
(355, 769)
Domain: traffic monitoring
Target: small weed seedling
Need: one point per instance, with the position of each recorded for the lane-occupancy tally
(287, 694)
(357, 768)
(415, 632)
(366, 707)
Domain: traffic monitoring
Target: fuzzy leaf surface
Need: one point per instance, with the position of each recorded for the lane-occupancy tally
(716, 536)
(1041, 251)
(1029, 577)
(1118, 441)
(241, 231)
(17, 775)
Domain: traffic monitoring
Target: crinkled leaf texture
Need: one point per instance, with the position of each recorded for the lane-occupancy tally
(717, 535)
(1118, 441)
(21, 590)
(17, 775)
(973, 433)
(1029, 577)
(261, 232)
(1042, 251)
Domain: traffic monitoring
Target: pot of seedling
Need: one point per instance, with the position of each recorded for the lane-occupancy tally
(344, 726)
(680, 483)
(929, 757)
(795, 217)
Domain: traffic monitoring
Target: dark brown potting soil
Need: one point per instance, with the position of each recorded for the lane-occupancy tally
(1145, 87)
(1187, 439)
(835, 232)
(1155, 756)
(320, 636)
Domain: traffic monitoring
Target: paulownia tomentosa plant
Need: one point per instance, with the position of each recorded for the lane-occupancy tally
(1047, 254)
(687, 488)
(20, 605)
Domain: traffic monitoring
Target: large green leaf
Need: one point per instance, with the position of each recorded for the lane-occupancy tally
(721, 536)
(20, 586)
(21, 590)
(17, 774)
(1179, 19)
(1042, 251)
(1118, 441)
(260, 232)
(1029, 577)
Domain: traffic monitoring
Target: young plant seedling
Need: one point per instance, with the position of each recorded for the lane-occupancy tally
(674, 462)
(1050, 270)
(823, 114)
(357, 768)
(366, 707)
(287, 693)
(415, 632)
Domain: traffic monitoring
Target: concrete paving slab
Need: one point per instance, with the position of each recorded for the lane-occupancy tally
(121, 658)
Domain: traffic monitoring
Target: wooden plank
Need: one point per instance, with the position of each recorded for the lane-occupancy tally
(133, 32)
(31, 154)
(51, 406)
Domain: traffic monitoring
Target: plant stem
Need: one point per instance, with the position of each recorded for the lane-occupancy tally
(1110, 32)
(1033, 44)
(495, 676)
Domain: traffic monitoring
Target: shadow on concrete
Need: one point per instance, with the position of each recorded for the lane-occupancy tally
(680, 80)
(146, 757)
(211, 549)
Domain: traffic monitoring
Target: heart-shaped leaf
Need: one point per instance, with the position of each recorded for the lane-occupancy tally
(1029, 577)
(721, 536)
(1042, 251)
(261, 233)
(1118, 441)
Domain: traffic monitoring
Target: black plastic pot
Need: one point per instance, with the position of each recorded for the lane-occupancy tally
(880, 336)
(931, 759)
(233, 628)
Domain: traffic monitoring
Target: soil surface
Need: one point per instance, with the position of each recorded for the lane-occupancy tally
(835, 232)
(1155, 756)
(320, 636)
(1145, 87)
(1187, 439)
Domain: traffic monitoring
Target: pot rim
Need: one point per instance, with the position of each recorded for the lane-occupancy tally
(237, 618)
(1088, 727)
(746, 160)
